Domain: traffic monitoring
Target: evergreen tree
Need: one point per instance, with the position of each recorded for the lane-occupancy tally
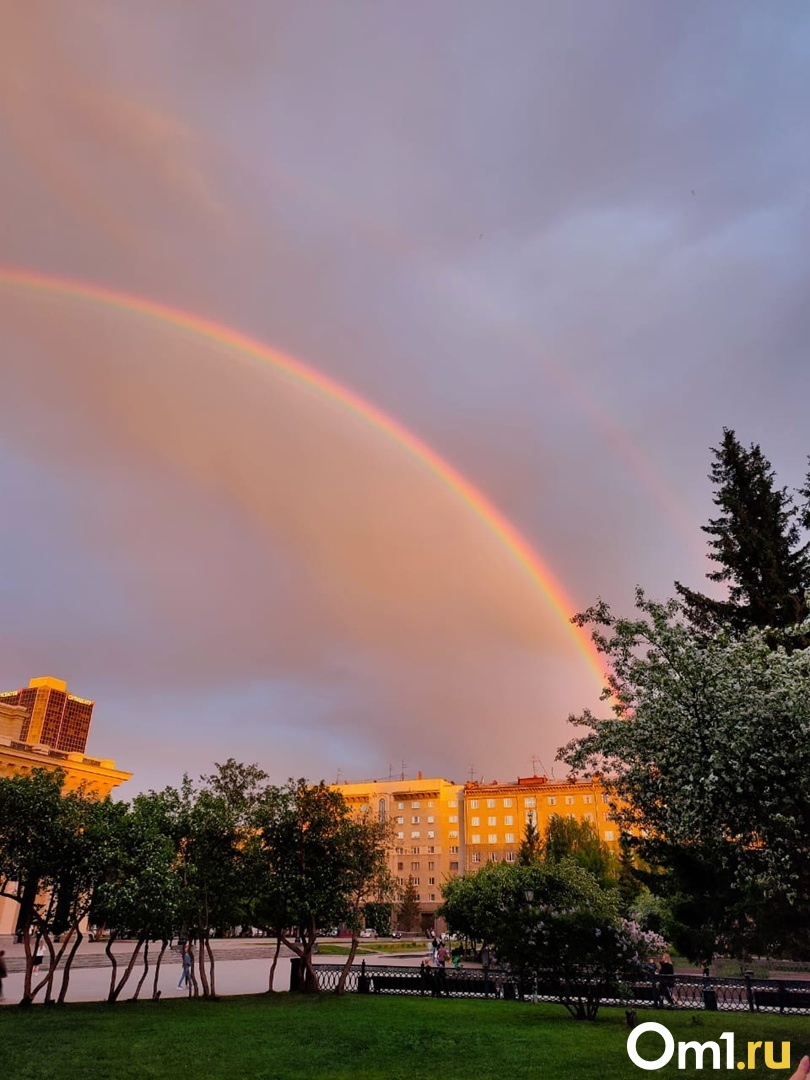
(531, 846)
(409, 909)
(757, 543)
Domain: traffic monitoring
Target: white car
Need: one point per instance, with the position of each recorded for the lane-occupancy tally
(368, 933)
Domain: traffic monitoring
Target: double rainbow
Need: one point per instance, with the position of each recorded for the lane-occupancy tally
(356, 406)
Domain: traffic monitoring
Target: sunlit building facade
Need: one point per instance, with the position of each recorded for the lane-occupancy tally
(427, 819)
(55, 717)
(496, 814)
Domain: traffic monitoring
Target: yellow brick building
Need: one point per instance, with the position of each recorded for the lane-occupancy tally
(427, 817)
(496, 815)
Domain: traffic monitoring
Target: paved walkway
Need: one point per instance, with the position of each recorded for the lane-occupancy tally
(242, 967)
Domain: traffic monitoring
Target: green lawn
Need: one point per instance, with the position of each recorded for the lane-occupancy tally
(281, 1037)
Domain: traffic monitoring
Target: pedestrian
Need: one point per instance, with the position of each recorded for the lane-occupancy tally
(3, 970)
(185, 976)
(666, 978)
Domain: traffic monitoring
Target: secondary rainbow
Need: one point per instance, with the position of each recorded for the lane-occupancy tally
(500, 526)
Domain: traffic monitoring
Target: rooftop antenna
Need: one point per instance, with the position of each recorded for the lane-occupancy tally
(390, 771)
(472, 772)
(404, 767)
(536, 759)
(337, 778)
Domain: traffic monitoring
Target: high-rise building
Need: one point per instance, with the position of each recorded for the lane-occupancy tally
(427, 821)
(55, 717)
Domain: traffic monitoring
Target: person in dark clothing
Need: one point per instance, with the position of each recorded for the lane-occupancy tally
(666, 978)
(3, 970)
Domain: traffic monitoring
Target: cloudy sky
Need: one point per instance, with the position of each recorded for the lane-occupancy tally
(561, 243)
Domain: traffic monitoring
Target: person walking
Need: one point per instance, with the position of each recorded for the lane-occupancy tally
(185, 976)
(3, 970)
(666, 978)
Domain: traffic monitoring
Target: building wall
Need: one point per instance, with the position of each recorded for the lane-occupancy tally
(55, 717)
(496, 814)
(427, 816)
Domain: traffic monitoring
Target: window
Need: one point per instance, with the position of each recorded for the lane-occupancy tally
(454, 866)
(414, 866)
(431, 881)
(509, 838)
(588, 817)
(509, 819)
(587, 799)
(431, 848)
(510, 856)
(400, 866)
(416, 881)
(492, 821)
(400, 820)
(473, 804)
(552, 800)
(507, 802)
(569, 800)
(381, 809)
(400, 836)
(530, 801)
(400, 851)
(492, 838)
(609, 834)
(475, 821)
(416, 850)
(433, 896)
(415, 805)
(415, 834)
(453, 802)
(453, 834)
(454, 849)
(400, 881)
(453, 817)
(431, 865)
(606, 798)
(476, 838)
(416, 820)
(493, 856)
(431, 803)
(490, 804)
(531, 815)
(431, 834)
(400, 806)
(476, 857)
(431, 819)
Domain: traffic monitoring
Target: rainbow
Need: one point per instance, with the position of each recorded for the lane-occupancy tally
(357, 407)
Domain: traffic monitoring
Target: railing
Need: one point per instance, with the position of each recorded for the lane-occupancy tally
(688, 992)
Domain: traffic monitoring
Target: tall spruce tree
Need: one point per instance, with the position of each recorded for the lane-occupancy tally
(757, 542)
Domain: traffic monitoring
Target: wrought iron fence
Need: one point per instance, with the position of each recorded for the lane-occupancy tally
(688, 992)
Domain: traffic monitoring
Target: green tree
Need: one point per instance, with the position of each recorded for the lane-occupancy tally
(757, 543)
(568, 838)
(531, 846)
(139, 893)
(408, 910)
(303, 865)
(706, 752)
(551, 922)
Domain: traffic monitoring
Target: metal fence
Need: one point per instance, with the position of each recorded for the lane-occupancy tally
(730, 995)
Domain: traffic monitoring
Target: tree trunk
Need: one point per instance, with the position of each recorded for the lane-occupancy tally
(201, 966)
(155, 991)
(211, 967)
(113, 961)
(68, 963)
(127, 972)
(29, 967)
(273, 965)
(142, 979)
(341, 986)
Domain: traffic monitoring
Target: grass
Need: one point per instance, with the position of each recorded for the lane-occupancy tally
(290, 1037)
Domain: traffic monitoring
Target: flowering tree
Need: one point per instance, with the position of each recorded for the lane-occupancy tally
(707, 751)
(551, 922)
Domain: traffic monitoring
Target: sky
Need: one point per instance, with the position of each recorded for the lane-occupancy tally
(562, 244)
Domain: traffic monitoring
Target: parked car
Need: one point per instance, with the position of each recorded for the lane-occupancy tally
(369, 932)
